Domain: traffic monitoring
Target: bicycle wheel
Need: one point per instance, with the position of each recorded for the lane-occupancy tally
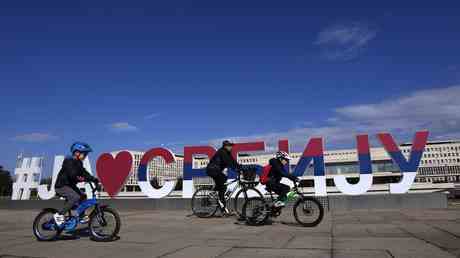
(104, 225)
(255, 211)
(204, 203)
(44, 227)
(238, 204)
(308, 211)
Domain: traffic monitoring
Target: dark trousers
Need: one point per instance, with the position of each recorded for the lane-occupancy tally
(71, 196)
(280, 189)
(219, 180)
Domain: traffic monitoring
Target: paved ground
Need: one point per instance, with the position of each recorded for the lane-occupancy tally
(375, 234)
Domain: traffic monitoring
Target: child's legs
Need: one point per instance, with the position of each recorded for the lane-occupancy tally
(71, 196)
(280, 189)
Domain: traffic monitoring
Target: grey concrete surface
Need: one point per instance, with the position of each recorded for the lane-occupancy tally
(336, 202)
(420, 233)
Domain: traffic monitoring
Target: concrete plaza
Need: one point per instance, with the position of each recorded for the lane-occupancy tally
(347, 234)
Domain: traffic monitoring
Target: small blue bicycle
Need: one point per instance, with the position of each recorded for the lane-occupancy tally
(104, 222)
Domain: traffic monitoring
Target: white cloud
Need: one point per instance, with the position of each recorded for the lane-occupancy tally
(123, 127)
(35, 137)
(344, 42)
(437, 110)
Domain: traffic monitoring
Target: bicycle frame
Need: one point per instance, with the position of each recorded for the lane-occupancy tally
(73, 221)
(297, 191)
(240, 185)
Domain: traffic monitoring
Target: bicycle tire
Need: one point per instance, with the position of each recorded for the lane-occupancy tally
(95, 236)
(303, 201)
(36, 225)
(238, 206)
(255, 211)
(198, 212)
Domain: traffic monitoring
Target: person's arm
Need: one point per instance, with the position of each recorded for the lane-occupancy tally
(230, 161)
(87, 176)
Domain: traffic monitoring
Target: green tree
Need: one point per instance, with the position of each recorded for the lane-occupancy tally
(6, 182)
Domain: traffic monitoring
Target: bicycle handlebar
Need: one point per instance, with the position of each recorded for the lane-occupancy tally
(94, 187)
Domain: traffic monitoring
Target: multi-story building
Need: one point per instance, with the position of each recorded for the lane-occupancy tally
(439, 165)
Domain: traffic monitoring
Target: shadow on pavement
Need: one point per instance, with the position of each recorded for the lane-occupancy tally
(79, 233)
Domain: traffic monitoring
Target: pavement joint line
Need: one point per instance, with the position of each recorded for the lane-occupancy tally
(288, 241)
(446, 231)
(175, 251)
(389, 253)
(225, 252)
(424, 240)
(139, 243)
(293, 248)
(300, 248)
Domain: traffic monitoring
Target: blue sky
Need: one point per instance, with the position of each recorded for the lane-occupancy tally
(141, 74)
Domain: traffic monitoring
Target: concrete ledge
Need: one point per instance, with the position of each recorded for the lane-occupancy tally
(337, 202)
(437, 200)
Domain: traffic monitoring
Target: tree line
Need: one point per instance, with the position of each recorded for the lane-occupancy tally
(6, 182)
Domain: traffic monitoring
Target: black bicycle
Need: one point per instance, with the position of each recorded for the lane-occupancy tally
(205, 200)
(308, 211)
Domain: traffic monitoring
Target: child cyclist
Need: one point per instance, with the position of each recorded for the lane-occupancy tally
(71, 173)
(276, 173)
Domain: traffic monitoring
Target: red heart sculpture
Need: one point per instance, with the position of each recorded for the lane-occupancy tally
(113, 172)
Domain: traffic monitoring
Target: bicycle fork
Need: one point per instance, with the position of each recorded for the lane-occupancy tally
(100, 216)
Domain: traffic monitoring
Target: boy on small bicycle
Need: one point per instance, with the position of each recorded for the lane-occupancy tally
(221, 160)
(71, 173)
(277, 172)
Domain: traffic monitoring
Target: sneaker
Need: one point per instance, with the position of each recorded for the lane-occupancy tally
(59, 219)
(279, 204)
(226, 212)
(221, 205)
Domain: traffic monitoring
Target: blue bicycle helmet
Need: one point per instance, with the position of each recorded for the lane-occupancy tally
(81, 147)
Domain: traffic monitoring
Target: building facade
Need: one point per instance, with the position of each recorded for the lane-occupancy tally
(440, 163)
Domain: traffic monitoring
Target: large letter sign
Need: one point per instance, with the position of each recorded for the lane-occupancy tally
(245, 147)
(142, 176)
(189, 171)
(365, 169)
(113, 172)
(408, 168)
(314, 151)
